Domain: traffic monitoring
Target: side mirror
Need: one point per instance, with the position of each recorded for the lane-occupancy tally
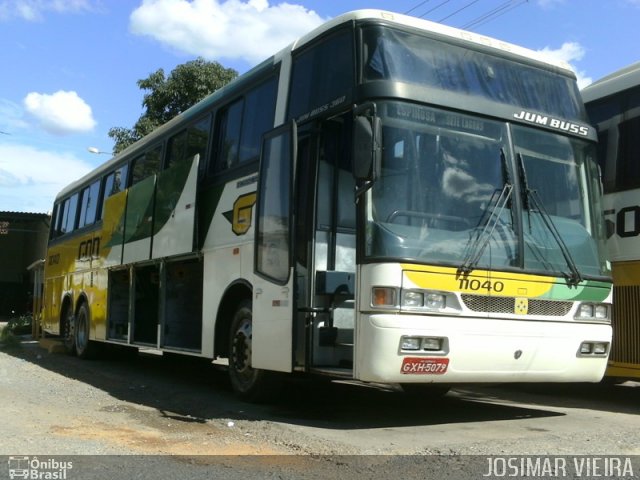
(367, 136)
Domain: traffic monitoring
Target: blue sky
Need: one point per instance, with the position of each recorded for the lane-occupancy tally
(70, 67)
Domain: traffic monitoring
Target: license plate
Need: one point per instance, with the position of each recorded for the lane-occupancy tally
(424, 366)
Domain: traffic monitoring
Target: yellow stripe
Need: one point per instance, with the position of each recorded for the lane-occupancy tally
(479, 281)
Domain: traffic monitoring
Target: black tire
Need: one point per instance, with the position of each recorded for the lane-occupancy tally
(85, 348)
(67, 330)
(250, 384)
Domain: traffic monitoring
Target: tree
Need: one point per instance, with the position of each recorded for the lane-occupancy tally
(186, 85)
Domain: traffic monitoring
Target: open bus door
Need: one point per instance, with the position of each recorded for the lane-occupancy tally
(273, 290)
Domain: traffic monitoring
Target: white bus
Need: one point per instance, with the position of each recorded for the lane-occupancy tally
(386, 200)
(613, 105)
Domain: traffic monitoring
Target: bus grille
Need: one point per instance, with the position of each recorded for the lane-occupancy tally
(625, 347)
(491, 304)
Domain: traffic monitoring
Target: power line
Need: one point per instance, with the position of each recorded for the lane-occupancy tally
(493, 14)
(434, 8)
(417, 6)
(458, 11)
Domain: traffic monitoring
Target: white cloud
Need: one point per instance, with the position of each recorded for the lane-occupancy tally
(61, 113)
(233, 29)
(31, 178)
(33, 10)
(570, 52)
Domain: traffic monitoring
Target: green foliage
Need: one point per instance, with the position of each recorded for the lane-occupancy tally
(167, 97)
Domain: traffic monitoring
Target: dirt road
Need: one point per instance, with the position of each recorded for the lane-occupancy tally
(54, 404)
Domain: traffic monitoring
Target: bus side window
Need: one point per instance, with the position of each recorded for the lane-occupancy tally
(89, 204)
(198, 140)
(242, 124)
(177, 148)
(259, 110)
(114, 183)
(69, 214)
(147, 164)
(55, 222)
(228, 141)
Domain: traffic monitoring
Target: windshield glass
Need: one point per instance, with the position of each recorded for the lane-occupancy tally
(560, 171)
(391, 54)
(441, 174)
(446, 194)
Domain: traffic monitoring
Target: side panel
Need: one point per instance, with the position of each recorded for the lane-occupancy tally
(174, 211)
(112, 231)
(139, 221)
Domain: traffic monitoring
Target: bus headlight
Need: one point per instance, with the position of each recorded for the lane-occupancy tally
(414, 300)
(599, 312)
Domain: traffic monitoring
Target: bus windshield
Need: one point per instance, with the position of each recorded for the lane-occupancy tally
(446, 194)
(392, 54)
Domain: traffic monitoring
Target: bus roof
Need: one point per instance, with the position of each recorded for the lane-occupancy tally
(438, 28)
(354, 16)
(618, 81)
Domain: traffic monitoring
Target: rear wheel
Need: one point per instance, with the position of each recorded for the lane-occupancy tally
(68, 329)
(249, 383)
(85, 348)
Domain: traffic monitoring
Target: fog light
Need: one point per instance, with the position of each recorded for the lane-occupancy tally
(585, 311)
(601, 312)
(433, 344)
(586, 347)
(435, 301)
(410, 343)
(600, 348)
(412, 299)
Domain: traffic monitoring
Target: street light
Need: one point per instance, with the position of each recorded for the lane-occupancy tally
(97, 151)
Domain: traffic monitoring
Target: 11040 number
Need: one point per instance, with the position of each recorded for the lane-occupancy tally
(476, 284)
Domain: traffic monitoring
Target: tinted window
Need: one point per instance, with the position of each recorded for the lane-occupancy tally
(241, 125)
(55, 221)
(88, 208)
(321, 75)
(69, 217)
(146, 165)
(230, 123)
(177, 148)
(259, 109)
(409, 58)
(198, 139)
(114, 183)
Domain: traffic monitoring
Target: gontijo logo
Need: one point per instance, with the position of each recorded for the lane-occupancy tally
(33, 468)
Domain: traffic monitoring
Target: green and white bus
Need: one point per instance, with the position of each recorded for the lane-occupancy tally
(613, 105)
(387, 200)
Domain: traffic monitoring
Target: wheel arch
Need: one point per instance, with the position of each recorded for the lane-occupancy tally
(237, 292)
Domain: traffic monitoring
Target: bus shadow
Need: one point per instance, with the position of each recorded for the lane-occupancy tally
(189, 390)
(607, 397)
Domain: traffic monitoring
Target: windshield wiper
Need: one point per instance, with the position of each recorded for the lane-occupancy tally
(489, 221)
(531, 198)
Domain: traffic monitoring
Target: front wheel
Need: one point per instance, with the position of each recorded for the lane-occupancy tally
(248, 383)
